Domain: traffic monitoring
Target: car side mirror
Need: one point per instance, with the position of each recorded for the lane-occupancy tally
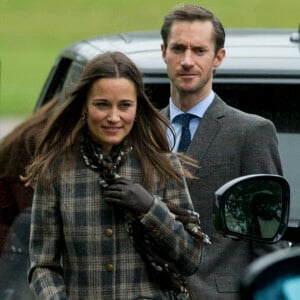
(253, 207)
(273, 276)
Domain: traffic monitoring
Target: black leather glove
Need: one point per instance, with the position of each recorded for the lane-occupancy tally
(129, 195)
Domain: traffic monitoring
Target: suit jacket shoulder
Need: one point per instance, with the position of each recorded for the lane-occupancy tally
(219, 109)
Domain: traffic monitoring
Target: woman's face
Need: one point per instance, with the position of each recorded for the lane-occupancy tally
(110, 108)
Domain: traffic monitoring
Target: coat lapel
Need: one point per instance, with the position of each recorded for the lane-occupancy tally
(207, 130)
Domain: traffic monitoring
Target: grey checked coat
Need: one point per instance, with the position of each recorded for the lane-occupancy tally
(227, 144)
(73, 227)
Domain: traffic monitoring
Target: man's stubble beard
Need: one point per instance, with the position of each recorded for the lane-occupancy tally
(187, 92)
(196, 90)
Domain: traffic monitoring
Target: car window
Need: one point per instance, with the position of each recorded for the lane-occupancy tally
(281, 104)
(72, 77)
(277, 102)
(159, 94)
(55, 81)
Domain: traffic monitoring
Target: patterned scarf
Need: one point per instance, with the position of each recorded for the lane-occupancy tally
(161, 269)
(106, 165)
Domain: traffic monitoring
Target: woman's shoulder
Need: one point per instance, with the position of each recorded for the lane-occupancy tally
(70, 168)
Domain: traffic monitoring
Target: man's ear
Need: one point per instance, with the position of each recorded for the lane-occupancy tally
(219, 58)
(163, 51)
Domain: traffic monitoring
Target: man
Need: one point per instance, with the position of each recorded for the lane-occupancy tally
(226, 142)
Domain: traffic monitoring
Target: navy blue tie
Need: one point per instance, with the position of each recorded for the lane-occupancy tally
(185, 140)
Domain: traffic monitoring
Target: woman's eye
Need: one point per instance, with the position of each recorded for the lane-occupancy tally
(101, 104)
(125, 105)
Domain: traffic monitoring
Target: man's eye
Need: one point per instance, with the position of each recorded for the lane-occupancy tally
(199, 51)
(177, 49)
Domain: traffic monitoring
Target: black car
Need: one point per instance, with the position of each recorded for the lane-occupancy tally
(260, 74)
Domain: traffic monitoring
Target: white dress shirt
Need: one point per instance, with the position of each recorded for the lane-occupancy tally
(198, 110)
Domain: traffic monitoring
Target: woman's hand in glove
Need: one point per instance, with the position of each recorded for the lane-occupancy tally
(129, 195)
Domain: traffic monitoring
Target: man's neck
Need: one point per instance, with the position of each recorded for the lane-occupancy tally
(185, 101)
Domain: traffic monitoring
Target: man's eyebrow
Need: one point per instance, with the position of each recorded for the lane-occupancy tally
(178, 44)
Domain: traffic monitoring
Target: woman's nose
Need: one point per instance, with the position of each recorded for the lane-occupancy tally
(113, 115)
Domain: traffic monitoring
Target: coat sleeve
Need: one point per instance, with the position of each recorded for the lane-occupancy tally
(45, 273)
(170, 234)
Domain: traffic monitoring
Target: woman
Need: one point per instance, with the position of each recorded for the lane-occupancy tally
(16, 151)
(111, 212)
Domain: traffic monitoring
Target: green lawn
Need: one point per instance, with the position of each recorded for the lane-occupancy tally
(33, 32)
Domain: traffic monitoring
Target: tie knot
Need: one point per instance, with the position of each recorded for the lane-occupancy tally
(184, 119)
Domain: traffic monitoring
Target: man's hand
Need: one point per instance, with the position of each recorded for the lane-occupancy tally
(129, 195)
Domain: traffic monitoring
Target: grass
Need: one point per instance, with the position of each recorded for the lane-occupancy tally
(33, 32)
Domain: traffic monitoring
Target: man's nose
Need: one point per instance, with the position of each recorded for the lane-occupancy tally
(187, 59)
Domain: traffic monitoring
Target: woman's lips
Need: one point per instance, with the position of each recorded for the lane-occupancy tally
(112, 129)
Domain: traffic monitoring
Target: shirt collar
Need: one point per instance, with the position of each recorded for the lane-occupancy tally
(198, 110)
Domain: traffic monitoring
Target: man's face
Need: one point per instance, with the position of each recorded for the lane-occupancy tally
(190, 57)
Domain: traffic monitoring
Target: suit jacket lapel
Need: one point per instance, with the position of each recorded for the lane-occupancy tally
(207, 129)
(166, 112)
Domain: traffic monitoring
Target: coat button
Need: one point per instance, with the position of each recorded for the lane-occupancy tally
(109, 267)
(108, 232)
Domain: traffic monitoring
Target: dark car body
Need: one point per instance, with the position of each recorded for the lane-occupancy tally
(260, 74)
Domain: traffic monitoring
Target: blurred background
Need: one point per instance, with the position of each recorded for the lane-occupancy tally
(33, 32)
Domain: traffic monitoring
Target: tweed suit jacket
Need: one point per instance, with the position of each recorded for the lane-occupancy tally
(79, 246)
(228, 143)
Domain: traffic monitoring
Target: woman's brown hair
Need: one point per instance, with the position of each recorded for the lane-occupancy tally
(64, 131)
(17, 148)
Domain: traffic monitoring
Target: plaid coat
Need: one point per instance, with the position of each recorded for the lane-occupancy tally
(79, 247)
